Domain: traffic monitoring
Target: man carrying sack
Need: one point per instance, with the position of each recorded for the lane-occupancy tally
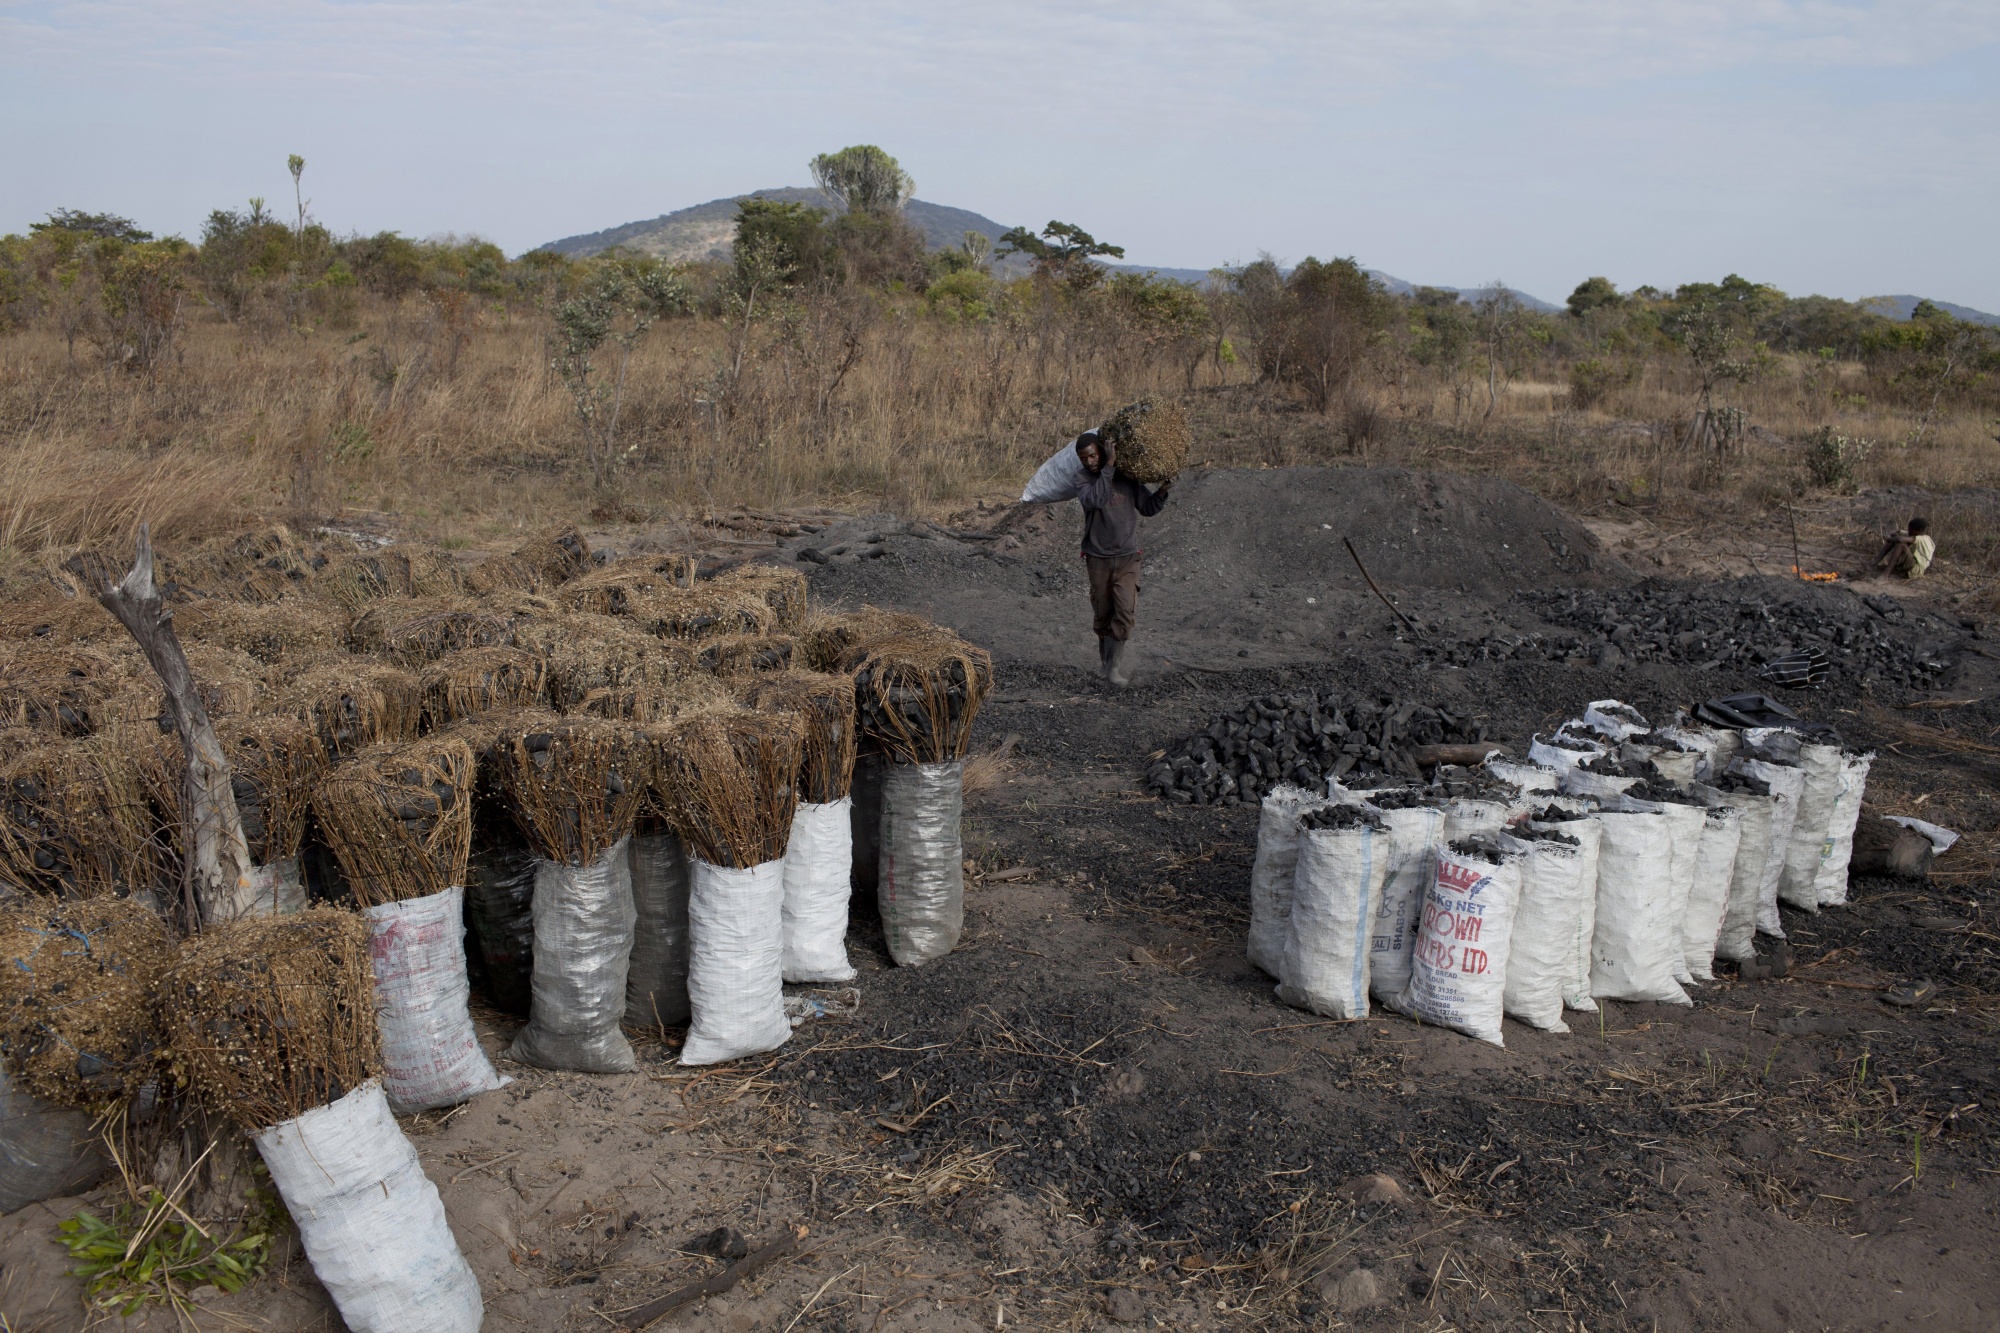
(1112, 507)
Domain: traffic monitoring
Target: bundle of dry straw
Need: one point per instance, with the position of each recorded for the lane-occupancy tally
(78, 1013)
(917, 694)
(783, 590)
(354, 705)
(654, 703)
(543, 563)
(1151, 438)
(398, 571)
(50, 614)
(270, 1017)
(727, 783)
(573, 784)
(592, 652)
(75, 820)
(260, 566)
(399, 818)
(54, 688)
(414, 631)
(824, 705)
(621, 587)
(271, 632)
(481, 680)
(825, 638)
(742, 654)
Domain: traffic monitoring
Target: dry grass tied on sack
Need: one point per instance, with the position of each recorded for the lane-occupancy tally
(618, 588)
(270, 632)
(743, 654)
(55, 688)
(399, 818)
(75, 820)
(78, 1010)
(275, 760)
(481, 680)
(356, 704)
(1151, 438)
(657, 703)
(557, 556)
(826, 638)
(783, 589)
(270, 1017)
(727, 783)
(824, 703)
(592, 652)
(262, 566)
(412, 631)
(52, 616)
(394, 571)
(573, 784)
(916, 695)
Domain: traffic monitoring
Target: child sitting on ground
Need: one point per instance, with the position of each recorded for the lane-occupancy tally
(1908, 553)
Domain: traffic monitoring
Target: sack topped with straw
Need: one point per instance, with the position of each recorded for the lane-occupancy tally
(481, 680)
(78, 1025)
(273, 1022)
(542, 563)
(75, 820)
(414, 631)
(355, 705)
(574, 786)
(916, 693)
(396, 571)
(819, 855)
(1151, 439)
(727, 783)
(783, 589)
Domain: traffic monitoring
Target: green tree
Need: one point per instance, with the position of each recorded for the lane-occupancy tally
(141, 294)
(615, 310)
(1063, 253)
(1335, 313)
(779, 243)
(863, 179)
(103, 226)
(1592, 294)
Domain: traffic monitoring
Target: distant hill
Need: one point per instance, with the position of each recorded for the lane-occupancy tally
(1899, 307)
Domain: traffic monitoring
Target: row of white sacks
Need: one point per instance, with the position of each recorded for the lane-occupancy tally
(1457, 911)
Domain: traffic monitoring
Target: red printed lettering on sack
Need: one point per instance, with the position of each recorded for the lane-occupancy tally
(1472, 962)
(1465, 879)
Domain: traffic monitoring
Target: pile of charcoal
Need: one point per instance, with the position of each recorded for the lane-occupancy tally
(1303, 739)
(1867, 638)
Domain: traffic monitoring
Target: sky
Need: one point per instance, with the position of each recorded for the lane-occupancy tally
(1849, 149)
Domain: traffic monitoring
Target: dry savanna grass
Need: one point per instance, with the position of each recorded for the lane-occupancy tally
(476, 443)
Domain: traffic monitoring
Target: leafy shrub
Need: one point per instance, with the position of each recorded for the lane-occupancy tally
(1834, 460)
(1591, 380)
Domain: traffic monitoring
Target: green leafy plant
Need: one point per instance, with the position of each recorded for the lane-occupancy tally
(1833, 460)
(149, 1250)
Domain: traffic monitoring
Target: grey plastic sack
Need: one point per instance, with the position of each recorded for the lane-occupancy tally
(1273, 872)
(1838, 849)
(1414, 835)
(1458, 969)
(500, 911)
(819, 860)
(656, 976)
(430, 1053)
(922, 887)
(1552, 924)
(371, 1221)
(583, 940)
(736, 951)
(1636, 937)
(1708, 897)
(45, 1151)
(1063, 477)
(1337, 883)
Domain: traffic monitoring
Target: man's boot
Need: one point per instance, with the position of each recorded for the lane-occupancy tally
(1118, 670)
(1104, 648)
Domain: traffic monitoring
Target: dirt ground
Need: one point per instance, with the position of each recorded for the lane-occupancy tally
(1095, 1112)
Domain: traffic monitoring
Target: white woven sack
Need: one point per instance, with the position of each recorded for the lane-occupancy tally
(584, 918)
(1413, 843)
(1525, 777)
(430, 1053)
(1458, 970)
(1708, 898)
(1063, 477)
(279, 887)
(1272, 873)
(1595, 786)
(371, 1221)
(920, 883)
(819, 862)
(1786, 784)
(1338, 883)
(1562, 753)
(1736, 940)
(1551, 926)
(1636, 937)
(736, 948)
(1589, 834)
(1464, 817)
(1686, 825)
(1798, 881)
(1831, 882)
(1680, 767)
(1616, 719)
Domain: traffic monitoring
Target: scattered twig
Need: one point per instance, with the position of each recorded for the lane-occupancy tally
(714, 1286)
(1407, 622)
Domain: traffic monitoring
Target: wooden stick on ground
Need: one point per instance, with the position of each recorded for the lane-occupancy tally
(216, 885)
(715, 1286)
(1407, 622)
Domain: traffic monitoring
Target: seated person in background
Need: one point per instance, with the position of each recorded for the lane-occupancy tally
(1908, 553)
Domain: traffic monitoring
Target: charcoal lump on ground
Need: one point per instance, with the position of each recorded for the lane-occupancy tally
(1739, 626)
(1303, 738)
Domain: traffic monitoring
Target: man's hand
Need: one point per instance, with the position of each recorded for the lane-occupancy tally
(1110, 452)
(1163, 489)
